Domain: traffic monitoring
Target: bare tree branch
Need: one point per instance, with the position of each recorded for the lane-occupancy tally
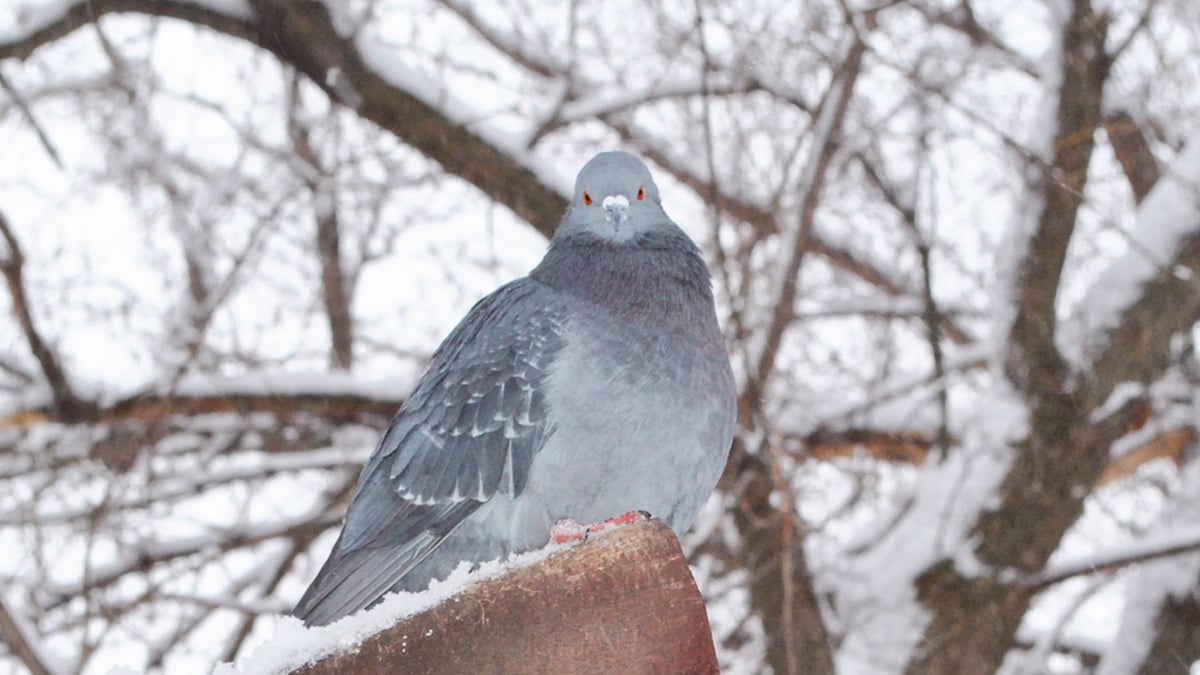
(303, 34)
(1176, 543)
(154, 554)
(1133, 152)
(1168, 304)
(70, 17)
(1034, 363)
(513, 49)
(932, 315)
(766, 222)
(830, 117)
(962, 19)
(19, 643)
(334, 292)
(772, 550)
(1063, 453)
(23, 106)
(67, 405)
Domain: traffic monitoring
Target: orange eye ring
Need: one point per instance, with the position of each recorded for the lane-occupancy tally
(641, 193)
(587, 199)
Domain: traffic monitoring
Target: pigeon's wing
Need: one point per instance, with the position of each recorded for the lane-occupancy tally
(469, 430)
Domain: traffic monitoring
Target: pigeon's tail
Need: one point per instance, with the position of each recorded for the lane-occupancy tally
(352, 580)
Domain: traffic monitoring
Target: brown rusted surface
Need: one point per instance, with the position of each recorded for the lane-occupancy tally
(621, 603)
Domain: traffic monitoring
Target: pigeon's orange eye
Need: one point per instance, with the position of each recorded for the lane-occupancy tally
(641, 193)
(587, 199)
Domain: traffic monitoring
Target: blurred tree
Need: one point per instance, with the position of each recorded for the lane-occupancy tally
(956, 246)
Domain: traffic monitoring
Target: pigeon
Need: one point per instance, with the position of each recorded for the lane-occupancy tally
(595, 386)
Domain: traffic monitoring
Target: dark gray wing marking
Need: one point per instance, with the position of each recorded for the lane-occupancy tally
(469, 430)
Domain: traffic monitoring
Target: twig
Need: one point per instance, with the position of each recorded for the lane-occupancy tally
(932, 315)
(829, 119)
(19, 642)
(67, 405)
(1165, 547)
(23, 106)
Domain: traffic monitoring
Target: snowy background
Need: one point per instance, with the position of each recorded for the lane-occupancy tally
(956, 248)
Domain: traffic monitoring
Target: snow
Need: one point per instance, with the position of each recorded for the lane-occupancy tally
(1177, 540)
(333, 383)
(56, 664)
(292, 645)
(808, 388)
(885, 621)
(1042, 130)
(1121, 394)
(238, 9)
(1044, 126)
(948, 499)
(1172, 576)
(1169, 397)
(32, 19)
(1169, 213)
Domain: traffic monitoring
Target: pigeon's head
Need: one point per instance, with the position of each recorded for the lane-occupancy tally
(615, 198)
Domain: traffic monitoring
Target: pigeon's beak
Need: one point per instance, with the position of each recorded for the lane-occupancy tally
(616, 207)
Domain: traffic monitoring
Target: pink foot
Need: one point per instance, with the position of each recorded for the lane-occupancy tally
(569, 530)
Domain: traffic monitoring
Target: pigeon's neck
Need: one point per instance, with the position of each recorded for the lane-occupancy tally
(656, 279)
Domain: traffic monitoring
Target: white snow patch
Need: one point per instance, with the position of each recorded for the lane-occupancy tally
(1042, 130)
(1170, 398)
(1044, 126)
(1157, 580)
(1168, 214)
(885, 621)
(55, 663)
(238, 9)
(1162, 543)
(297, 384)
(292, 645)
(31, 19)
(1121, 394)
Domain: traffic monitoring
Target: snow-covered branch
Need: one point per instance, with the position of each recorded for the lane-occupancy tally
(55, 20)
(1164, 544)
(304, 35)
(1148, 295)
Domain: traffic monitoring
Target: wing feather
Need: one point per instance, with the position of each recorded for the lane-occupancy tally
(470, 428)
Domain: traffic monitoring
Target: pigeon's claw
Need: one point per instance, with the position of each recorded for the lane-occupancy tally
(568, 530)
